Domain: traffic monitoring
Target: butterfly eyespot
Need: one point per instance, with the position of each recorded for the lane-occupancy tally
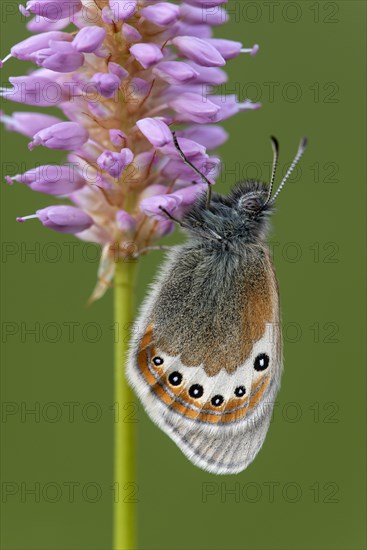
(240, 391)
(158, 361)
(261, 362)
(196, 391)
(175, 378)
(217, 400)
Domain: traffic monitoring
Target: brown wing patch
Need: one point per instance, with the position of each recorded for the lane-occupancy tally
(216, 328)
(180, 401)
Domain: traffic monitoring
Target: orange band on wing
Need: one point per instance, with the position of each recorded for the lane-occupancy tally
(179, 400)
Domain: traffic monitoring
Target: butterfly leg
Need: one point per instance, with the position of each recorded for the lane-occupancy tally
(196, 170)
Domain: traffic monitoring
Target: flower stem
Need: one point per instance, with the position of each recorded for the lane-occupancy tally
(124, 429)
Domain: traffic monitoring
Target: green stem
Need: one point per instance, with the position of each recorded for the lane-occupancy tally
(124, 428)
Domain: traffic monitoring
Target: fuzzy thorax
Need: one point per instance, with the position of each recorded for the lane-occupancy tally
(238, 218)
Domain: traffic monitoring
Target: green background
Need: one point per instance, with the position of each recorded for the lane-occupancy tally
(305, 489)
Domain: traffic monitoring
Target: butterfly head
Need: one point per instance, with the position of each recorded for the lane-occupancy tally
(251, 209)
(243, 215)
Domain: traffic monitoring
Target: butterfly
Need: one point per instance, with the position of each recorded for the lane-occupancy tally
(206, 355)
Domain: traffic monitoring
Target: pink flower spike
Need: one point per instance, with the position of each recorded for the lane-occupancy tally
(62, 218)
(161, 13)
(65, 135)
(198, 50)
(147, 54)
(89, 39)
(122, 73)
(155, 130)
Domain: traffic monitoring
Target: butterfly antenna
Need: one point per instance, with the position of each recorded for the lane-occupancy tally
(275, 146)
(301, 149)
(196, 170)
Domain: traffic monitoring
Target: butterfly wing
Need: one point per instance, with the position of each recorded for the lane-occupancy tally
(206, 355)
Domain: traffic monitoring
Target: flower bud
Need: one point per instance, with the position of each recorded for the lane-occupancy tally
(123, 9)
(155, 130)
(161, 13)
(199, 15)
(89, 39)
(131, 34)
(26, 123)
(54, 10)
(65, 135)
(59, 57)
(44, 24)
(147, 54)
(194, 108)
(62, 218)
(198, 50)
(107, 84)
(25, 49)
(51, 179)
(115, 163)
(35, 90)
(125, 222)
(175, 72)
(228, 49)
(117, 137)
